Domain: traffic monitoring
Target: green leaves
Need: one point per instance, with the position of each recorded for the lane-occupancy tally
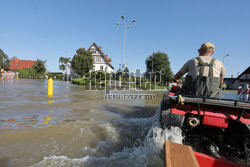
(82, 62)
(64, 63)
(4, 60)
(158, 62)
(39, 67)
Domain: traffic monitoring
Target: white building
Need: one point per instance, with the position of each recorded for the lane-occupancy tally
(101, 61)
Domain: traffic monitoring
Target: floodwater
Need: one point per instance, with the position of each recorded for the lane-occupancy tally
(77, 127)
(80, 128)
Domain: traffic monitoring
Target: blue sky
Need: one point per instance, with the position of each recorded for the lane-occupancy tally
(46, 29)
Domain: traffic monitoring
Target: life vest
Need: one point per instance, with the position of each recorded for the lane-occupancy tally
(205, 86)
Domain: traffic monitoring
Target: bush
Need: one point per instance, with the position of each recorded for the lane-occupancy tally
(100, 75)
(29, 73)
(84, 81)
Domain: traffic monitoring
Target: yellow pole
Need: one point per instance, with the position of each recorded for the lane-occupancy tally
(17, 77)
(50, 87)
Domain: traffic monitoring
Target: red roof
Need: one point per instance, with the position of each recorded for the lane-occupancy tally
(105, 56)
(16, 64)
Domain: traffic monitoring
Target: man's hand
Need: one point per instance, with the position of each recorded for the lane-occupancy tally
(174, 80)
(177, 76)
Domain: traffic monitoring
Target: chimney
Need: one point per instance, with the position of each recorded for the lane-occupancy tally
(100, 48)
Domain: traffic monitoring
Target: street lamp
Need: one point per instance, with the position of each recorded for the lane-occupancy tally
(225, 57)
(126, 25)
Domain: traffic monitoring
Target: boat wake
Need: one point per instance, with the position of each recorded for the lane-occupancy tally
(147, 150)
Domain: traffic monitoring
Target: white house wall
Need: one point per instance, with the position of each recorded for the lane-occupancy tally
(99, 63)
(105, 67)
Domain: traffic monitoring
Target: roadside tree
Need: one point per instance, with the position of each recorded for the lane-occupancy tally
(82, 62)
(159, 62)
(39, 66)
(64, 65)
(4, 60)
(126, 73)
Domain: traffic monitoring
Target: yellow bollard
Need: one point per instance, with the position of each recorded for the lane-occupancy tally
(50, 87)
(17, 77)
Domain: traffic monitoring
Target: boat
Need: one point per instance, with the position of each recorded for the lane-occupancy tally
(217, 129)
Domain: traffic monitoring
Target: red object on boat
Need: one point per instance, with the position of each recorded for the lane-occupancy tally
(208, 161)
(212, 115)
(239, 89)
(175, 89)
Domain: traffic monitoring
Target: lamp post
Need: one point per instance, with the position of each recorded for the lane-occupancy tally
(225, 57)
(126, 25)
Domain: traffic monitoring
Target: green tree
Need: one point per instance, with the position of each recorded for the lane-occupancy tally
(118, 73)
(159, 62)
(64, 63)
(82, 62)
(4, 60)
(39, 67)
(126, 73)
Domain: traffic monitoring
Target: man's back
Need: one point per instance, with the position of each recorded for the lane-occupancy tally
(192, 67)
(204, 74)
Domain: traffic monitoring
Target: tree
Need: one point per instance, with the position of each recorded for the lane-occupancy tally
(39, 66)
(118, 73)
(64, 63)
(4, 60)
(159, 62)
(82, 62)
(126, 73)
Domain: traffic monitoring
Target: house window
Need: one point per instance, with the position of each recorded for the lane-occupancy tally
(101, 67)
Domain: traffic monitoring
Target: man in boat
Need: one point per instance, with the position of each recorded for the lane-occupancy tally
(204, 74)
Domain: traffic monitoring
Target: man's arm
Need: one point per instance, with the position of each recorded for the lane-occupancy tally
(223, 73)
(222, 79)
(177, 76)
(182, 71)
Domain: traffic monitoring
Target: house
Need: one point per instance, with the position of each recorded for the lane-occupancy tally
(228, 82)
(243, 78)
(16, 64)
(101, 61)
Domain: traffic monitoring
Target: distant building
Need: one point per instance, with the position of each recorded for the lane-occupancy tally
(101, 61)
(228, 82)
(243, 78)
(16, 64)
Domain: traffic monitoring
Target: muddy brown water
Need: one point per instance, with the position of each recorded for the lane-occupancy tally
(78, 127)
(74, 128)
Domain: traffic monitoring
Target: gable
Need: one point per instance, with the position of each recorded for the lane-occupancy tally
(97, 51)
(243, 75)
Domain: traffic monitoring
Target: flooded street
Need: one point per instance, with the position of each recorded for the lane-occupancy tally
(76, 127)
